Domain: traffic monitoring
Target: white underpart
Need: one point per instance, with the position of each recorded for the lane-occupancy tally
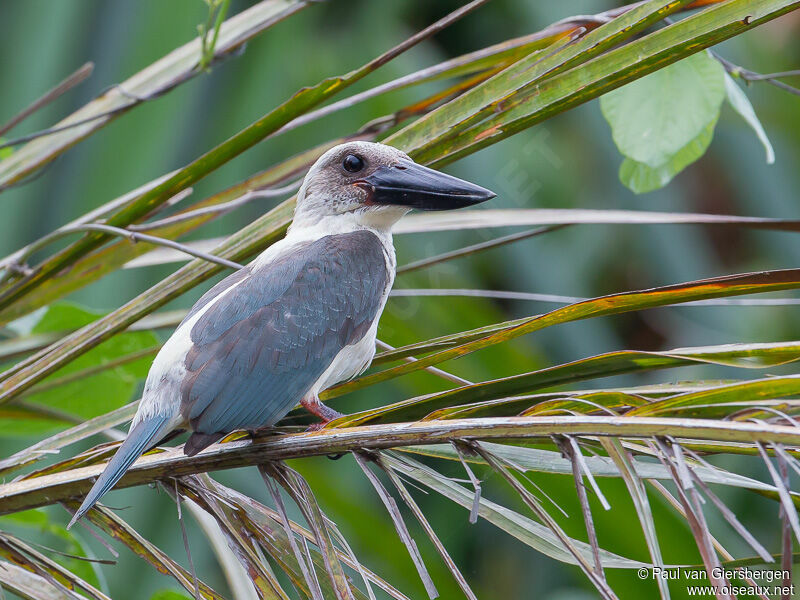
(161, 396)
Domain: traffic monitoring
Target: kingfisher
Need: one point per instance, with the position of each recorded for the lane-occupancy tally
(299, 318)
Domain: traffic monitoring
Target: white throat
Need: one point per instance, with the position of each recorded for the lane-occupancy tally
(308, 230)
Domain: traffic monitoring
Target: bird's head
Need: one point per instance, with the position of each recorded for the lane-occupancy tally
(378, 184)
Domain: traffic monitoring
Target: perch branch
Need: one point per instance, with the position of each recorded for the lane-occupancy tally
(49, 489)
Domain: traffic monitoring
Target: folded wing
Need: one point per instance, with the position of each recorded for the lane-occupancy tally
(259, 348)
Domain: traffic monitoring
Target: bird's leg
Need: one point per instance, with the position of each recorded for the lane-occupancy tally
(312, 404)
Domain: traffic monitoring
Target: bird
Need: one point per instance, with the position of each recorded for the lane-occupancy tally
(299, 318)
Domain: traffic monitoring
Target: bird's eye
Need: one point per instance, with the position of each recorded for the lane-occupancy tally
(353, 163)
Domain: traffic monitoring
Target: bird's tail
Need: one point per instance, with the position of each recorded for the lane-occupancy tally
(139, 439)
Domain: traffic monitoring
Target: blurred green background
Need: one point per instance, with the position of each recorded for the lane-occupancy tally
(569, 161)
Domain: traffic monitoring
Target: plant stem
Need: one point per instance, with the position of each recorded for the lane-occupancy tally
(49, 489)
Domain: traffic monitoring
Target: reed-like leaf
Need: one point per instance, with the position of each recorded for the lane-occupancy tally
(159, 77)
(638, 494)
(242, 546)
(27, 585)
(518, 217)
(151, 199)
(769, 387)
(423, 521)
(519, 526)
(469, 341)
(548, 461)
(606, 72)
(17, 551)
(446, 404)
(125, 534)
(481, 102)
(265, 525)
(501, 217)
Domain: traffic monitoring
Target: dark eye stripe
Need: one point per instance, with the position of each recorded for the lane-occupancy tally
(353, 163)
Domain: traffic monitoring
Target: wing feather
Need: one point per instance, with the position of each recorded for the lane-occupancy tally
(262, 346)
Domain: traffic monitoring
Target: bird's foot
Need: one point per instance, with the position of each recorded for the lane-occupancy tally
(316, 407)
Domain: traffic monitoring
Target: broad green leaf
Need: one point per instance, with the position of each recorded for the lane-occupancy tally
(34, 418)
(54, 444)
(28, 518)
(5, 152)
(741, 104)
(640, 177)
(28, 343)
(100, 390)
(653, 118)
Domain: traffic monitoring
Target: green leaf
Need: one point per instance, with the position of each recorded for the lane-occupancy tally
(167, 187)
(53, 445)
(118, 529)
(517, 217)
(746, 391)
(27, 518)
(107, 259)
(654, 118)
(99, 391)
(265, 526)
(640, 177)
(66, 316)
(491, 96)
(741, 104)
(523, 108)
(479, 399)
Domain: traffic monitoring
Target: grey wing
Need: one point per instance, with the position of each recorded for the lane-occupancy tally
(262, 346)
